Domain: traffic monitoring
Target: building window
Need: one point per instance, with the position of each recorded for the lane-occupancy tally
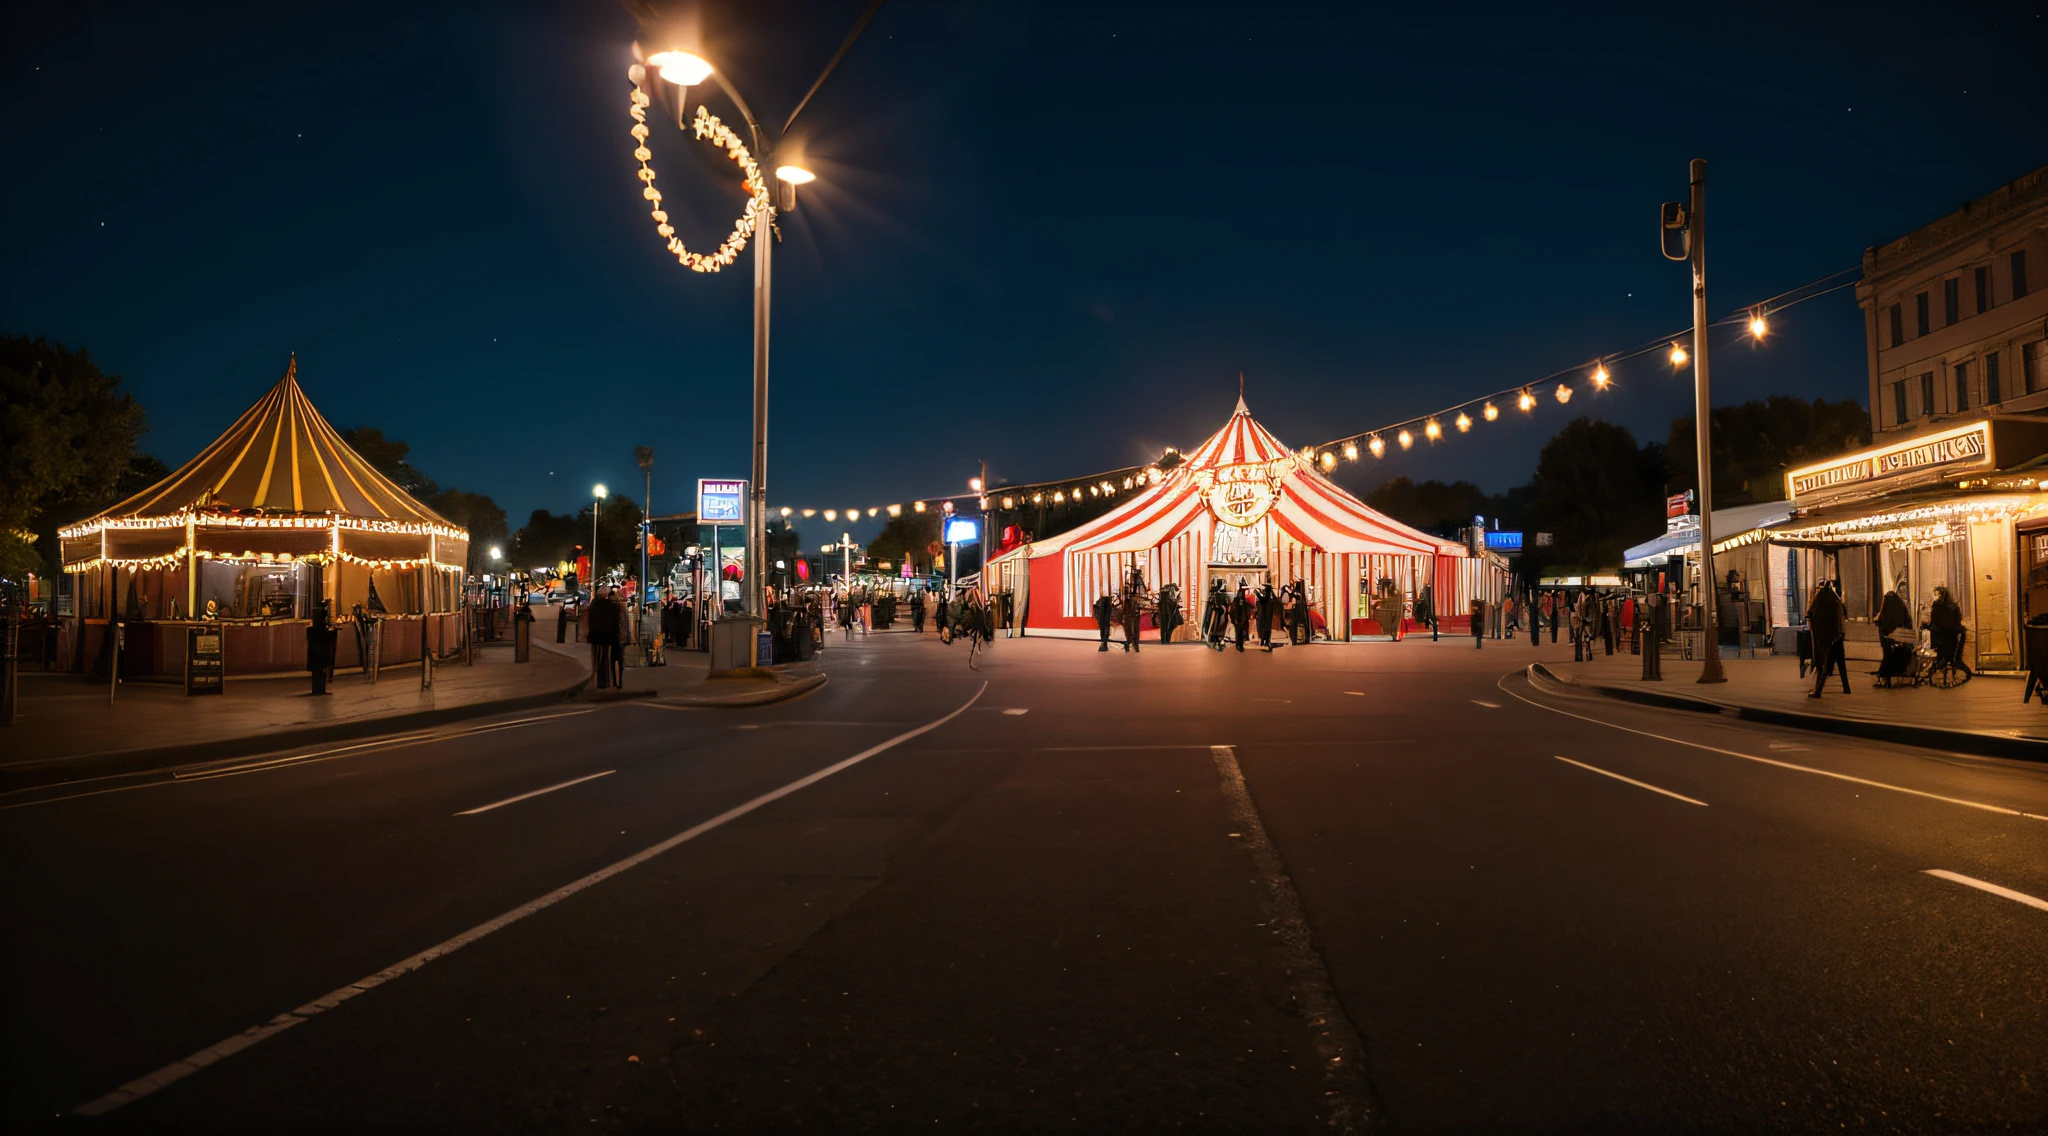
(1992, 395)
(1927, 393)
(1898, 326)
(1920, 309)
(1899, 403)
(2019, 274)
(2032, 364)
(1983, 290)
(1962, 386)
(1951, 300)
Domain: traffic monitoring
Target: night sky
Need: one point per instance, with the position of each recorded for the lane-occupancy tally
(1045, 235)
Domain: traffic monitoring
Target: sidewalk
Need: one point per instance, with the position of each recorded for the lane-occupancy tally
(66, 729)
(684, 678)
(1984, 716)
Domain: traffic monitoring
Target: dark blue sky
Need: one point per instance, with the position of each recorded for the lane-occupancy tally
(1046, 235)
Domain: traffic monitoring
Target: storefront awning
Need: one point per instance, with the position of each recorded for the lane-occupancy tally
(1729, 524)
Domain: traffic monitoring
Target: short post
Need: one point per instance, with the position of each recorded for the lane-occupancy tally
(10, 641)
(114, 626)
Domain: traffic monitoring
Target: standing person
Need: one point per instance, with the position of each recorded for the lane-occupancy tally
(1824, 621)
(1551, 603)
(917, 611)
(1425, 609)
(1105, 611)
(939, 614)
(1169, 612)
(1478, 623)
(1945, 622)
(601, 631)
(1241, 612)
(1535, 611)
(1895, 636)
(627, 633)
(1133, 612)
(1266, 607)
(1215, 617)
(1607, 622)
(1300, 620)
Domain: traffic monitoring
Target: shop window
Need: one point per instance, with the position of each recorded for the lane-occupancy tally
(1927, 393)
(1899, 403)
(2019, 274)
(1962, 387)
(1898, 326)
(1920, 311)
(1951, 300)
(254, 591)
(1992, 395)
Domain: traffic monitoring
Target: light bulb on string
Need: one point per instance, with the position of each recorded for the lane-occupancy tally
(1351, 451)
(1526, 401)
(1600, 376)
(1329, 461)
(1405, 438)
(895, 510)
(1038, 498)
(810, 512)
(1564, 393)
(786, 511)
(917, 506)
(1058, 498)
(1758, 326)
(1431, 430)
(1678, 356)
(1491, 412)
(1378, 446)
(1464, 422)
(831, 514)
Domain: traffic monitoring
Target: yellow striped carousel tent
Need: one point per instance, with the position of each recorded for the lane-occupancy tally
(279, 486)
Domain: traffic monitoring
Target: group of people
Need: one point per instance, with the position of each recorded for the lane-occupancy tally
(1231, 614)
(1826, 620)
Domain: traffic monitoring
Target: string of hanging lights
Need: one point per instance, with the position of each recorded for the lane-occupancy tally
(1524, 397)
(706, 126)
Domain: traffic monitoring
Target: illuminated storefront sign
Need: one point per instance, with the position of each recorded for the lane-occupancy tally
(1241, 494)
(721, 502)
(1962, 447)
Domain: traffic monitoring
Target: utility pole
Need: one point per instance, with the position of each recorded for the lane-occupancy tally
(645, 456)
(1696, 239)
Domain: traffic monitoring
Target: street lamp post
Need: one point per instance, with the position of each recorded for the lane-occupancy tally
(598, 491)
(645, 456)
(1685, 238)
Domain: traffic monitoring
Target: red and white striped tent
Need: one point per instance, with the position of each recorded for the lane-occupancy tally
(1242, 506)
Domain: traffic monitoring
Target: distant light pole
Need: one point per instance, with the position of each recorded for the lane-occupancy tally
(1685, 238)
(645, 456)
(598, 491)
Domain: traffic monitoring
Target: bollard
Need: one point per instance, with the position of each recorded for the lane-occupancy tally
(10, 640)
(522, 635)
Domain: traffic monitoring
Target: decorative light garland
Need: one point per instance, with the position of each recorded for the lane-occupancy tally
(706, 126)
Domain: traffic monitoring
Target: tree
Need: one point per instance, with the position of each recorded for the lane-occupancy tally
(1598, 492)
(547, 539)
(618, 534)
(906, 538)
(1757, 441)
(1435, 506)
(484, 519)
(67, 436)
(388, 457)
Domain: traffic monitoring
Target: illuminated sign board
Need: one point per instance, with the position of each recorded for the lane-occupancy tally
(1504, 541)
(1241, 494)
(1963, 447)
(962, 530)
(721, 502)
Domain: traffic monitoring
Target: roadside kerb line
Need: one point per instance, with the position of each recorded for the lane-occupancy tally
(1630, 780)
(178, 1070)
(1780, 764)
(535, 793)
(1994, 889)
(1488, 705)
(1347, 1093)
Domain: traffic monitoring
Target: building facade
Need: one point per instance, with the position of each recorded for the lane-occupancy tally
(1955, 314)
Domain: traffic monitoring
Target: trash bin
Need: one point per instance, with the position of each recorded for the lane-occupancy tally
(732, 642)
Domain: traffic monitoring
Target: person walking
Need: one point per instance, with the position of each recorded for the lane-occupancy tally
(1215, 615)
(1478, 623)
(1945, 623)
(1824, 621)
(1105, 615)
(601, 630)
(1425, 610)
(1169, 611)
(1265, 607)
(1241, 612)
(917, 611)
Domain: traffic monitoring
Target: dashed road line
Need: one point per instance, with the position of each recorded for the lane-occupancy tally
(535, 793)
(1994, 889)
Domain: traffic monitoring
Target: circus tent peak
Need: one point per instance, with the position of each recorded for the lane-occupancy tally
(280, 457)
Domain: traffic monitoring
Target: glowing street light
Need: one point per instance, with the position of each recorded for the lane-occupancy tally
(1758, 326)
(683, 68)
(596, 504)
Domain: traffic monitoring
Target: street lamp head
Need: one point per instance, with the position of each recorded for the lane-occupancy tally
(1758, 326)
(795, 175)
(600, 491)
(495, 554)
(974, 483)
(683, 68)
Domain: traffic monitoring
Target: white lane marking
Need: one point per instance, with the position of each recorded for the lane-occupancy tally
(179, 1070)
(1630, 780)
(1017, 710)
(1789, 746)
(1488, 705)
(1358, 693)
(535, 793)
(1994, 889)
(1780, 764)
(1346, 1093)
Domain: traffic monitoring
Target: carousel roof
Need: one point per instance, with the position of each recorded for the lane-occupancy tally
(280, 456)
(1307, 505)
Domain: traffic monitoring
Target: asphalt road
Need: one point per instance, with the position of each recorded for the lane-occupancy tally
(1036, 898)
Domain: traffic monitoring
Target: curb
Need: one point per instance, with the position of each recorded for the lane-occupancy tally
(1924, 737)
(57, 770)
(783, 692)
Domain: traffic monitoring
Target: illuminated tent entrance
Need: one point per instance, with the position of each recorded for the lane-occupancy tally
(1243, 506)
(275, 516)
